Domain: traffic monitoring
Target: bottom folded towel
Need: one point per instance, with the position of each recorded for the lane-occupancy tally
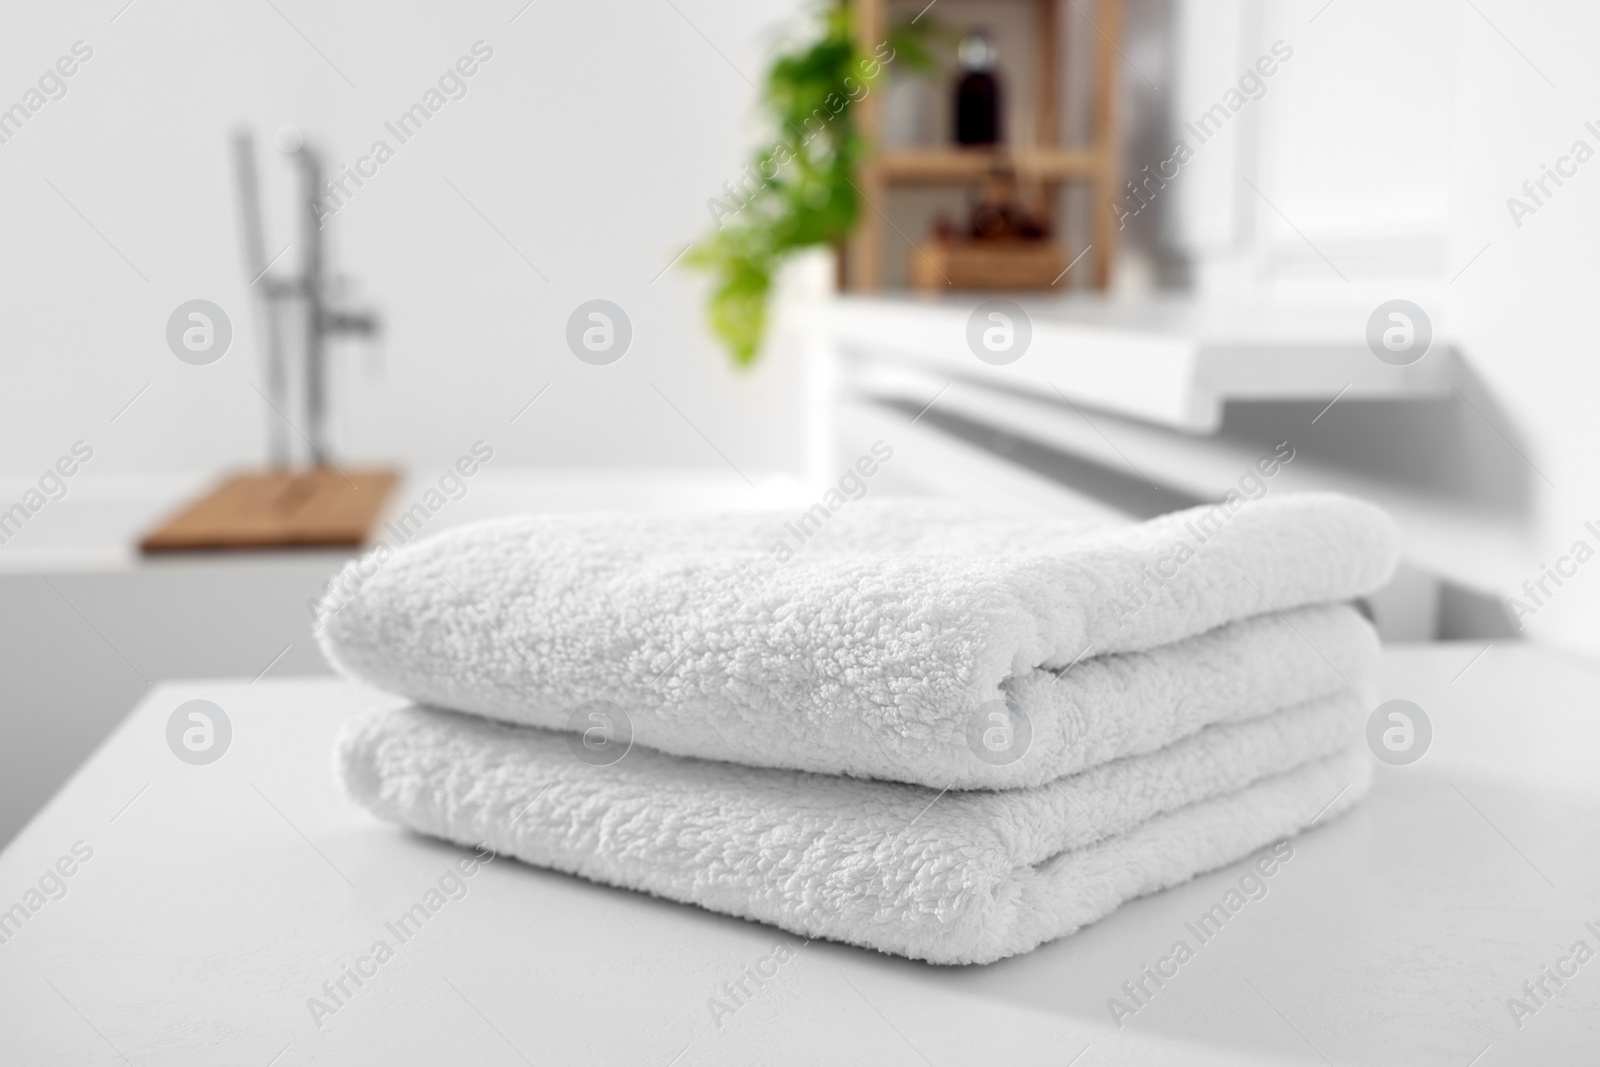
(955, 877)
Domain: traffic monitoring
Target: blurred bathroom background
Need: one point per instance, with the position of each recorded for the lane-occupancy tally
(578, 162)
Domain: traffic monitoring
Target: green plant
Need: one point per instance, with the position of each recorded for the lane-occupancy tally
(800, 190)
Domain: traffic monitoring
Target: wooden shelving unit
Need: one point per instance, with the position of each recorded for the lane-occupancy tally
(1048, 163)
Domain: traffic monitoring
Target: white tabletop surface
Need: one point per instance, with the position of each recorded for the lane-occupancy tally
(219, 898)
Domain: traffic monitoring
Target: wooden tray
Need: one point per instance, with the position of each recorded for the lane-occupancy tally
(939, 266)
(319, 507)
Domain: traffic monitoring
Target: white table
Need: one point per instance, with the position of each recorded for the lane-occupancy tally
(219, 898)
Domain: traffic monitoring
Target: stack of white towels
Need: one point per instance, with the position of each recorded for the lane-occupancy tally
(914, 728)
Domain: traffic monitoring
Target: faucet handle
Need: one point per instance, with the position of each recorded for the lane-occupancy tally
(365, 323)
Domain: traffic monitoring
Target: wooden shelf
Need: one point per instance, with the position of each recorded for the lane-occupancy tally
(1095, 164)
(937, 166)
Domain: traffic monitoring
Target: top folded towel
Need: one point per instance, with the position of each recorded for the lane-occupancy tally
(870, 648)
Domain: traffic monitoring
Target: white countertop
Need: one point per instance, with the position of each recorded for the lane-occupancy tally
(219, 898)
(1173, 361)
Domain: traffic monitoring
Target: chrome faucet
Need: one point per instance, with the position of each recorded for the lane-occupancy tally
(322, 319)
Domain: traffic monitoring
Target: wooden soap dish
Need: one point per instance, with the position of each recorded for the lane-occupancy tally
(318, 507)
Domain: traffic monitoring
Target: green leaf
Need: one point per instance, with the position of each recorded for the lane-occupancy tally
(805, 191)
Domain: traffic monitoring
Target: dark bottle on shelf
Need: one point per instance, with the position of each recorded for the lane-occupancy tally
(977, 92)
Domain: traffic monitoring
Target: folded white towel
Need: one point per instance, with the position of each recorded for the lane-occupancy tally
(958, 877)
(891, 630)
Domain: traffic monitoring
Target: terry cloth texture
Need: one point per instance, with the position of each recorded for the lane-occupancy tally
(873, 647)
(962, 877)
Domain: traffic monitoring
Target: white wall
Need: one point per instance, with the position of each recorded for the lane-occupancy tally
(1527, 308)
(1348, 147)
(591, 139)
(1391, 143)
